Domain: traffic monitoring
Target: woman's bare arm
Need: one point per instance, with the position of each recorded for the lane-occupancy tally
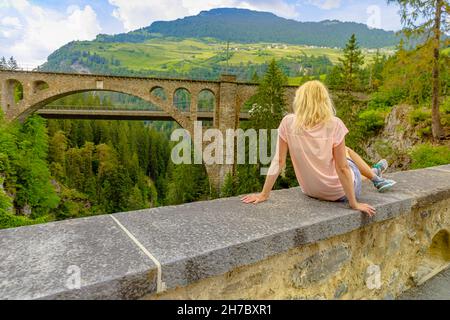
(278, 163)
(346, 178)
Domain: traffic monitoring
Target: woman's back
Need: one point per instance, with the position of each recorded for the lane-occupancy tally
(311, 152)
(324, 166)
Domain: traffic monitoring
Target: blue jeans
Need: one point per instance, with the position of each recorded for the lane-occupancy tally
(358, 180)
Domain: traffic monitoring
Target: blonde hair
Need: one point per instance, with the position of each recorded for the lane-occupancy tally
(312, 105)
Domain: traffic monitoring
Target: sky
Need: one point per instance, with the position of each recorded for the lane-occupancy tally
(32, 29)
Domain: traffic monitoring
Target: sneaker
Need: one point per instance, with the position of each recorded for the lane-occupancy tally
(380, 167)
(384, 184)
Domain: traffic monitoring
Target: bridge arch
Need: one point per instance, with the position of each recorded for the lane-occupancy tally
(46, 96)
(435, 259)
(440, 246)
(182, 99)
(39, 85)
(207, 101)
(158, 92)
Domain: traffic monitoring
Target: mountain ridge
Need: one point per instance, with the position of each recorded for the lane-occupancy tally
(196, 46)
(249, 26)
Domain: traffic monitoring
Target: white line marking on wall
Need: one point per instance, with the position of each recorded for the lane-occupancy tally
(160, 286)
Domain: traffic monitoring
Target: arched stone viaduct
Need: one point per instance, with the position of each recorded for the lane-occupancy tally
(42, 88)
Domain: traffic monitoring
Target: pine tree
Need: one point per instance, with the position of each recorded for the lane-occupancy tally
(135, 199)
(334, 78)
(268, 109)
(3, 64)
(269, 104)
(376, 71)
(255, 77)
(34, 188)
(350, 65)
(228, 188)
(12, 64)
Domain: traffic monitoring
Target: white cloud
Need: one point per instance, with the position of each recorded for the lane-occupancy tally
(136, 14)
(34, 32)
(326, 4)
(12, 22)
(9, 26)
(379, 16)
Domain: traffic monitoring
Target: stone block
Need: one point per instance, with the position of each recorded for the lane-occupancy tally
(341, 290)
(320, 266)
(89, 258)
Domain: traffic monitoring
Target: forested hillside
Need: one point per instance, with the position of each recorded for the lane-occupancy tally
(65, 169)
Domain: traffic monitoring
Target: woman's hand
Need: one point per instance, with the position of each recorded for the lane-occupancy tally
(278, 162)
(365, 208)
(255, 198)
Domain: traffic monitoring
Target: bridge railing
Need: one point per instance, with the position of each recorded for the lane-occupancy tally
(23, 67)
(101, 107)
(57, 107)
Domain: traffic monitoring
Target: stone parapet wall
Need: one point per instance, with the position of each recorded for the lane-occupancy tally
(290, 247)
(379, 261)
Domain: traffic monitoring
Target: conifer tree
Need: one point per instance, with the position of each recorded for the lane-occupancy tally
(269, 104)
(350, 65)
(268, 109)
(334, 78)
(376, 71)
(12, 64)
(3, 64)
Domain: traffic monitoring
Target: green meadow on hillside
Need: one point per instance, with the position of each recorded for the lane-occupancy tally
(162, 54)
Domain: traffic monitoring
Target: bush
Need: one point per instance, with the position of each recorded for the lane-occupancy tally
(74, 204)
(420, 115)
(445, 108)
(445, 112)
(7, 217)
(385, 99)
(384, 148)
(10, 220)
(425, 132)
(372, 120)
(426, 155)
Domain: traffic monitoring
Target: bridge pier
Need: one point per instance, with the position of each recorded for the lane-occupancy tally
(226, 117)
(217, 174)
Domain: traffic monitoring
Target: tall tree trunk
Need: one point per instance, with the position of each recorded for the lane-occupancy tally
(436, 117)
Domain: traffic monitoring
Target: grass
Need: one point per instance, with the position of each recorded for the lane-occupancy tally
(294, 81)
(427, 155)
(155, 54)
(163, 54)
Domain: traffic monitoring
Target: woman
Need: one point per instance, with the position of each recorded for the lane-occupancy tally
(325, 168)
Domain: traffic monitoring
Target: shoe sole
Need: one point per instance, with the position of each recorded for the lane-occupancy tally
(387, 187)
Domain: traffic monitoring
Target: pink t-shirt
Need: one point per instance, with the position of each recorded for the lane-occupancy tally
(312, 156)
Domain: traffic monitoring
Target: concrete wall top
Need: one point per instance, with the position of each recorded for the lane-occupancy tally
(131, 254)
